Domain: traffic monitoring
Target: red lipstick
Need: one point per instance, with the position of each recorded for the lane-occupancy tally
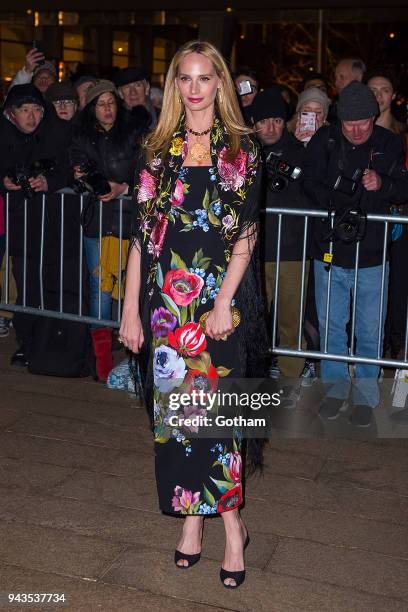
(195, 100)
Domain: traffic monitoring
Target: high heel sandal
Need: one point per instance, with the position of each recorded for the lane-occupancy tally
(239, 576)
(191, 559)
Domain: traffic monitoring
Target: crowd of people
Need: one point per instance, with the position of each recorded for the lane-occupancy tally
(338, 147)
(191, 180)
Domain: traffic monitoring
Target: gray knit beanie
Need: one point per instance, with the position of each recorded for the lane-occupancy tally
(313, 94)
(356, 102)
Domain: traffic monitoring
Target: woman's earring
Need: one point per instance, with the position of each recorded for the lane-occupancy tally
(219, 95)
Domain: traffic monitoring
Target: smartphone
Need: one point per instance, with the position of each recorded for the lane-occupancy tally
(307, 122)
(37, 44)
(244, 88)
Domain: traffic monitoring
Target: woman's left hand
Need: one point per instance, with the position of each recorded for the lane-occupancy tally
(218, 325)
(117, 189)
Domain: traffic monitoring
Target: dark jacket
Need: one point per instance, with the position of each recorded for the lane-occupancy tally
(114, 152)
(330, 154)
(290, 150)
(49, 141)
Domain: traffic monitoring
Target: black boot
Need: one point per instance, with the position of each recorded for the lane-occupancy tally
(19, 358)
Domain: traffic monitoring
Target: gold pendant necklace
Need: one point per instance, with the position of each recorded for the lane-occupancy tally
(199, 152)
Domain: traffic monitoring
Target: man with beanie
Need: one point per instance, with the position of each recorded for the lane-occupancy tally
(353, 164)
(30, 134)
(268, 114)
(133, 87)
(36, 70)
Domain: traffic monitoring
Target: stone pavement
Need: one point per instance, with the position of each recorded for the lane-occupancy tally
(78, 513)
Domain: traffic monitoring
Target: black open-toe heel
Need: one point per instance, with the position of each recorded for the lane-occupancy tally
(239, 576)
(192, 559)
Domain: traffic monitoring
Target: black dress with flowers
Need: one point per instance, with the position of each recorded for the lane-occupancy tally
(195, 475)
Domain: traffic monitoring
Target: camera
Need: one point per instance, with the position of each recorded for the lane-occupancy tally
(349, 225)
(280, 173)
(244, 88)
(92, 180)
(21, 173)
(348, 186)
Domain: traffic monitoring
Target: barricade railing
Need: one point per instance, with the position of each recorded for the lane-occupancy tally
(324, 353)
(59, 312)
(78, 315)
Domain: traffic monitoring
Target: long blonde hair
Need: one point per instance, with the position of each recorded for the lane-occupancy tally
(226, 102)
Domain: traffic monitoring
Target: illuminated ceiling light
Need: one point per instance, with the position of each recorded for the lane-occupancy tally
(229, 9)
(242, 36)
(392, 34)
(60, 17)
(8, 78)
(120, 49)
(29, 12)
(36, 19)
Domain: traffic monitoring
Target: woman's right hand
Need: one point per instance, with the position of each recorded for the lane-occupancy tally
(131, 331)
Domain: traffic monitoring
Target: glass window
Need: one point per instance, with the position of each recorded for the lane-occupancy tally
(14, 44)
(120, 49)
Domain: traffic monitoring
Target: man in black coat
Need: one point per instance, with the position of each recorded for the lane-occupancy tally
(284, 158)
(34, 162)
(353, 164)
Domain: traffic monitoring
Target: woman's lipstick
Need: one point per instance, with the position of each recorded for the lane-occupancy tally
(195, 100)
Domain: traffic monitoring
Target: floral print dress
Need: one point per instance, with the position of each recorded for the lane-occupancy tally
(195, 475)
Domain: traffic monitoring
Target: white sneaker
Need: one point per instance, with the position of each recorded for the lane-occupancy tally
(308, 376)
(4, 327)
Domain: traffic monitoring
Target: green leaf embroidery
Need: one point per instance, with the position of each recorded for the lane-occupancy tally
(223, 485)
(159, 276)
(183, 315)
(226, 472)
(186, 219)
(206, 200)
(212, 218)
(221, 371)
(198, 255)
(209, 498)
(176, 262)
(172, 306)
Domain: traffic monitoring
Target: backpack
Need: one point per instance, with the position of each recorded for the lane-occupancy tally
(61, 348)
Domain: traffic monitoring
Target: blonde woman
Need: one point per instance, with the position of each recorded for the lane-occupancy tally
(316, 102)
(197, 197)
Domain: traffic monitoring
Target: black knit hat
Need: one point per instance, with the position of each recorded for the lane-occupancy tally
(23, 94)
(61, 91)
(268, 103)
(356, 102)
(130, 75)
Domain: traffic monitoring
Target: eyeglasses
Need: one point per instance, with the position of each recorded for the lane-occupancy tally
(59, 103)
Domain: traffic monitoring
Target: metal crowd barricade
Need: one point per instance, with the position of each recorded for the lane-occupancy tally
(307, 214)
(351, 357)
(60, 313)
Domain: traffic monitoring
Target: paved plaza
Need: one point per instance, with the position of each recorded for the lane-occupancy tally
(78, 513)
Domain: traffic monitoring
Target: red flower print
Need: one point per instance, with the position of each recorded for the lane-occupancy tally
(158, 235)
(231, 499)
(147, 187)
(235, 466)
(198, 381)
(232, 172)
(182, 286)
(178, 195)
(188, 340)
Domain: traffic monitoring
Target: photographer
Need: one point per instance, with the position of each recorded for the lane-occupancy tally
(284, 160)
(34, 161)
(356, 166)
(103, 153)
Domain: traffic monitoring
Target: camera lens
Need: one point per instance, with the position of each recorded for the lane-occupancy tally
(277, 183)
